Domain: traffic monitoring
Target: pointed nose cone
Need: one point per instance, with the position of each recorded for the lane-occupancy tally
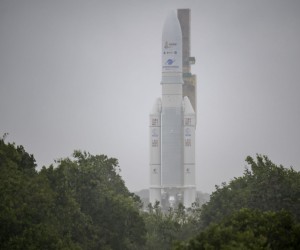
(172, 29)
(188, 108)
(172, 50)
(156, 110)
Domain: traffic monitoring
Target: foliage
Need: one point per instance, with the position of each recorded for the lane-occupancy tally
(164, 228)
(82, 203)
(248, 229)
(94, 183)
(26, 208)
(265, 187)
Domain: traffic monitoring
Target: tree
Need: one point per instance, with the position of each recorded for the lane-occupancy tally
(264, 186)
(111, 212)
(16, 156)
(248, 229)
(27, 219)
(82, 203)
(164, 228)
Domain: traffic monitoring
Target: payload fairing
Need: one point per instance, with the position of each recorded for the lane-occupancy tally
(172, 128)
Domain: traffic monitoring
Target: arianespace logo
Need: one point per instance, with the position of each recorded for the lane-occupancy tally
(169, 45)
(170, 62)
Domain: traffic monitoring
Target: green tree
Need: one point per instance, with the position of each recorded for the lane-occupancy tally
(16, 157)
(248, 229)
(27, 219)
(111, 212)
(264, 186)
(164, 228)
(82, 203)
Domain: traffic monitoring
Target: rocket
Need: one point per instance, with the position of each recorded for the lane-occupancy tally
(172, 128)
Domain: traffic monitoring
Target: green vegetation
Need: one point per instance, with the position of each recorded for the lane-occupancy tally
(165, 228)
(260, 210)
(83, 203)
(80, 204)
(248, 229)
(265, 186)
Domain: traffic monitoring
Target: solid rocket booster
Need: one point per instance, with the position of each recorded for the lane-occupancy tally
(172, 126)
(155, 153)
(189, 174)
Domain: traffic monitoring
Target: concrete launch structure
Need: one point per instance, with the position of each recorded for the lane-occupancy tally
(173, 119)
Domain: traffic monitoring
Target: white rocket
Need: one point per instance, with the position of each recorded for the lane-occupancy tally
(172, 128)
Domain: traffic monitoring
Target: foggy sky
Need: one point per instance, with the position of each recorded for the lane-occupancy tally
(85, 75)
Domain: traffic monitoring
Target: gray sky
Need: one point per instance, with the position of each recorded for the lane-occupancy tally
(85, 75)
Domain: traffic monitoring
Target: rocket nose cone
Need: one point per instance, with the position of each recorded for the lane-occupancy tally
(172, 50)
(172, 26)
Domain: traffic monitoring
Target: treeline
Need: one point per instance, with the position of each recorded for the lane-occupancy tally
(83, 203)
(260, 210)
(80, 204)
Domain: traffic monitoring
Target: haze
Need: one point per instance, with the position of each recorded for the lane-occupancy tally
(85, 74)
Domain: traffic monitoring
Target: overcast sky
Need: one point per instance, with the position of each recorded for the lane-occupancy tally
(85, 75)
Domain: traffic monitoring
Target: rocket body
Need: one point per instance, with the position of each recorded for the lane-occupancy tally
(172, 128)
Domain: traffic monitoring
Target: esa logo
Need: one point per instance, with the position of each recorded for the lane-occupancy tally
(170, 61)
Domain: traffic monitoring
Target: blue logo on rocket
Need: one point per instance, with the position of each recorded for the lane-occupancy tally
(170, 61)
